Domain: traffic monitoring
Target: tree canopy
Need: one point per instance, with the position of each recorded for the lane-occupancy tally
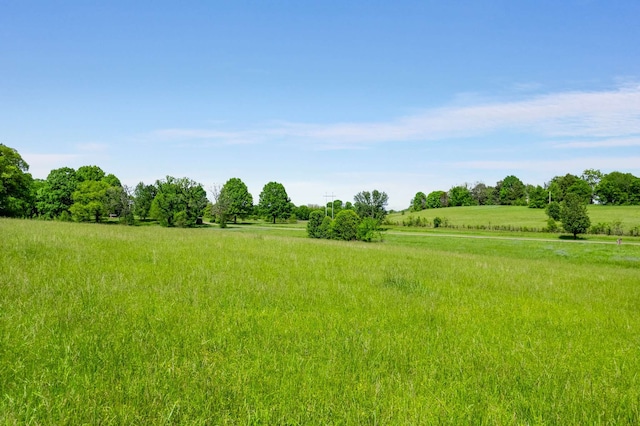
(274, 201)
(15, 183)
(371, 204)
(239, 201)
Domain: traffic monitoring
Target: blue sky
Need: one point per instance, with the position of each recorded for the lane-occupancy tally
(324, 97)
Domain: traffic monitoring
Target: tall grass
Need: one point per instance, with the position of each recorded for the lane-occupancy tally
(108, 324)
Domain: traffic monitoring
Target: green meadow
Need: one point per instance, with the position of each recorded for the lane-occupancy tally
(628, 216)
(146, 325)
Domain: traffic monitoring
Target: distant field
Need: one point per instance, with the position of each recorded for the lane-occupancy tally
(146, 325)
(520, 216)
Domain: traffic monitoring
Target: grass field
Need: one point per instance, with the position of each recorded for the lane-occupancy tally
(148, 325)
(629, 216)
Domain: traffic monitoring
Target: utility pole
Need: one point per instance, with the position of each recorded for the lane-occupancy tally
(325, 203)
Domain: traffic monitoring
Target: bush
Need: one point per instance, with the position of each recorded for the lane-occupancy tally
(345, 225)
(325, 227)
(314, 224)
(368, 230)
(553, 210)
(552, 226)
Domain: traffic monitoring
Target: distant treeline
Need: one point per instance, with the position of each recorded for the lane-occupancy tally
(615, 188)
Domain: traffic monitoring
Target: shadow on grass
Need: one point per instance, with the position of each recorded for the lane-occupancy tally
(572, 238)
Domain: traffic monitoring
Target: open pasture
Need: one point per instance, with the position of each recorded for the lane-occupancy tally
(518, 216)
(147, 325)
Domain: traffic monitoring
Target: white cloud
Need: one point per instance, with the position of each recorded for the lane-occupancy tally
(604, 114)
(604, 143)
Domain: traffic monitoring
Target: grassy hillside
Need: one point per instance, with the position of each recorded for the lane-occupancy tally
(629, 216)
(146, 325)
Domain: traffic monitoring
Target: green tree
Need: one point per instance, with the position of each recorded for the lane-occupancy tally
(240, 201)
(419, 202)
(537, 197)
(561, 186)
(460, 196)
(143, 197)
(274, 201)
(302, 212)
(15, 183)
(178, 202)
(574, 216)
(437, 199)
(93, 173)
(371, 204)
(120, 203)
(345, 225)
(593, 178)
(90, 201)
(368, 230)
(512, 192)
(315, 223)
(553, 210)
(55, 197)
(482, 194)
(618, 189)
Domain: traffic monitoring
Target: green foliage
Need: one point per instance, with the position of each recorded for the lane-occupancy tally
(93, 173)
(537, 197)
(592, 177)
(618, 189)
(437, 221)
(371, 204)
(15, 184)
(274, 201)
(90, 201)
(142, 199)
(302, 212)
(238, 199)
(552, 226)
(437, 199)
(345, 225)
(512, 192)
(483, 195)
(419, 202)
(561, 186)
(178, 202)
(56, 195)
(314, 224)
(325, 227)
(553, 210)
(460, 196)
(369, 230)
(574, 216)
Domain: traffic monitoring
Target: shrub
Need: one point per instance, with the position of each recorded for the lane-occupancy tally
(315, 223)
(345, 225)
(368, 230)
(437, 222)
(553, 210)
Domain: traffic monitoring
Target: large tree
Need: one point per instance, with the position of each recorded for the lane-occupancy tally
(56, 195)
(537, 196)
(178, 202)
(593, 178)
(15, 183)
(143, 196)
(561, 186)
(371, 204)
(511, 191)
(239, 201)
(90, 201)
(460, 196)
(437, 199)
(574, 216)
(618, 188)
(419, 202)
(274, 201)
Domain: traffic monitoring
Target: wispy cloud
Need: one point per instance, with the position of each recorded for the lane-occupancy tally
(603, 114)
(604, 143)
(612, 163)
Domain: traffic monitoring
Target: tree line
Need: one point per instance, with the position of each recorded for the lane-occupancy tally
(90, 194)
(591, 187)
